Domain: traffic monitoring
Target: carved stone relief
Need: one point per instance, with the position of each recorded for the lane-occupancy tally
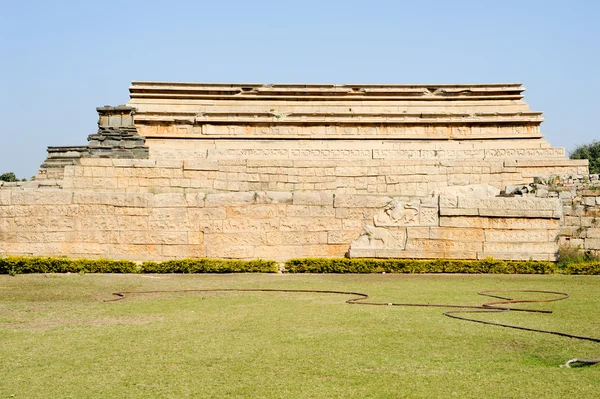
(407, 213)
(380, 238)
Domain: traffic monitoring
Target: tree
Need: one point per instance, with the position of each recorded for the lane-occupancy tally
(591, 152)
(8, 177)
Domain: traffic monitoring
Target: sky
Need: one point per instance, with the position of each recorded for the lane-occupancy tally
(62, 59)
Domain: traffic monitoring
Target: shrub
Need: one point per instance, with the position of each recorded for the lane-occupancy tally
(210, 266)
(583, 268)
(8, 177)
(574, 254)
(591, 152)
(358, 265)
(21, 265)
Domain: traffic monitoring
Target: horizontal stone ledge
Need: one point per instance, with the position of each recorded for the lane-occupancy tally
(524, 213)
(544, 162)
(504, 223)
(138, 97)
(535, 247)
(509, 203)
(206, 165)
(360, 201)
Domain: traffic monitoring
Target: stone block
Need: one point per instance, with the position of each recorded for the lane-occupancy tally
(222, 240)
(297, 238)
(102, 162)
(360, 201)
(230, 199)
(260, 211)
(167, 237)
(506, 203)
(417, 232)
(231, 252)
(202, 214)
(498, 223)
(275, 197)
(169, 164)
(493, 235)
(460, 212)
(170, 200)
(175, 218)
(5, 196)
(456, 234)
(521, 247)
(592, 232)
(130, 237)
(342, 236)
(570, 242)
(592, 243)
(312, 198)
(182, 251)
(43, 197)
(429, 245)
(590, 221)
(250, 225)
(518, 213)
(311, 224)
(194, 200)
(44, 223)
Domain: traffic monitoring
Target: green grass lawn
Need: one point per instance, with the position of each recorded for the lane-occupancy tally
(58, 339)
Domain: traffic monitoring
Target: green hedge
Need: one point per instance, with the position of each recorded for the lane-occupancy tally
(22, 265)
(583, 268)
(357, 265)
(210, 266)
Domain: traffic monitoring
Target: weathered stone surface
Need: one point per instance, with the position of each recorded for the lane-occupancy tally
(230, 199)
(360, 201)
(472, 190)
(314, 198)
(281, 171)
(378, 238)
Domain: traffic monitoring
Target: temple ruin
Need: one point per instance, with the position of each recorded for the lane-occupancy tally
(305, 170)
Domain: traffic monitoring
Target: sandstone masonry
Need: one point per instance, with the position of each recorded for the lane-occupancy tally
(282, 171)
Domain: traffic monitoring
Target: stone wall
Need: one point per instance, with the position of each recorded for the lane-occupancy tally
(580, 199)
(274, 225)
(281, 171)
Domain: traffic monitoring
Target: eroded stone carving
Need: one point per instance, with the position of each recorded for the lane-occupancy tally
(379, 238)
(472, 190)
(399, 212)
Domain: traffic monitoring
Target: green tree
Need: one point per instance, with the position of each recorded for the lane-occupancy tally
(8, 177)
(591, 152)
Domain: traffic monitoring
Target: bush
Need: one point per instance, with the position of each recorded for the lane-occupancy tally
(21, 265)
(590, 152)
(583, 268)
(358, 265)
(9, 177)
(210, 266)
(574, 254)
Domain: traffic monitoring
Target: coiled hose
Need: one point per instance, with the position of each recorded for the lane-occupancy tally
(361, 299)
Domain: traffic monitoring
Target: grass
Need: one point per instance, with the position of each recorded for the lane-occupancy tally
(58, 339)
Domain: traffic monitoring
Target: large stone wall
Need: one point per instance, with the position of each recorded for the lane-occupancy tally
(281, 171)
(274, 225)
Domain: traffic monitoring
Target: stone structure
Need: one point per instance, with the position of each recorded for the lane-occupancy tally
(281, 171)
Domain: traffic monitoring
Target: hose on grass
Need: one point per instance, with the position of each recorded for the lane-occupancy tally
(504, 304)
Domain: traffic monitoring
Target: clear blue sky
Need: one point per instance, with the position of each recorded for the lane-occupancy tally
(62, 59)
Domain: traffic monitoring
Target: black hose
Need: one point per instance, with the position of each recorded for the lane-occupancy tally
(360, 299)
